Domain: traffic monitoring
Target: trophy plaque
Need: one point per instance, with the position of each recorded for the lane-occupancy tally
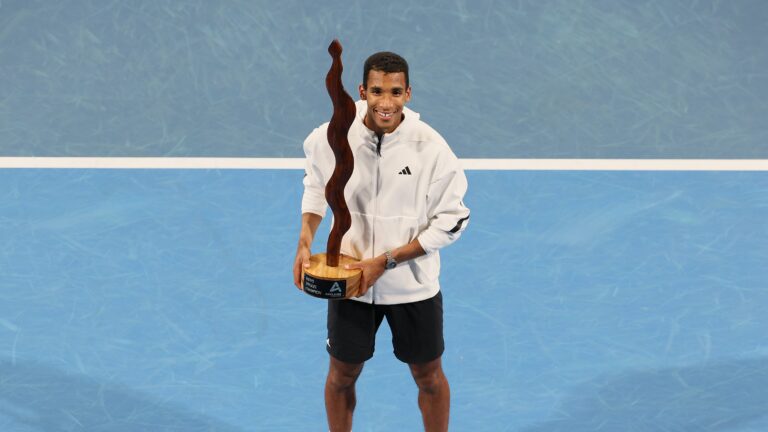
(326, 277)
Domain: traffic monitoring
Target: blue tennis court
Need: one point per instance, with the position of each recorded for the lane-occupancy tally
(162, 300)
(577, 300)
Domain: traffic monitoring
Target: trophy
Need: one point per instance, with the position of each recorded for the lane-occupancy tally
(326, 276)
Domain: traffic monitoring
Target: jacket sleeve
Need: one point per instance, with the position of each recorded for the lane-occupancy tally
(446, 212)
(313, 200)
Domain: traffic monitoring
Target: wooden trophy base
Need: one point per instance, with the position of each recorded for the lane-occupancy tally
(322, 281)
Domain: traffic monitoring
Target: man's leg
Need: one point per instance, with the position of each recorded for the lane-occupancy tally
(434, 394)
(340, 394)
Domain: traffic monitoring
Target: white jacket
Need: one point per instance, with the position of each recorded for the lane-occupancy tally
(414, 189)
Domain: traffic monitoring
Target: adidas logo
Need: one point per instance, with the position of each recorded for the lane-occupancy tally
(405, 171)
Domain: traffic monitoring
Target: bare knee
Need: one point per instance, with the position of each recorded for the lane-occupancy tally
(429, 376)
(342, 376)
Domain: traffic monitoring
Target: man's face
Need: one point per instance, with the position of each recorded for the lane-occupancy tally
(386, 95)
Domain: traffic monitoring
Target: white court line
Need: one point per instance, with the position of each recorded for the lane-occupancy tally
(616, 164)
(151, 163)
(468, 164)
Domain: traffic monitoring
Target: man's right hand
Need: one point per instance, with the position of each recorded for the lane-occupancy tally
(301, 261)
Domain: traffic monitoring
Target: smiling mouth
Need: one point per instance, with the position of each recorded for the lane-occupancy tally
(385, 116)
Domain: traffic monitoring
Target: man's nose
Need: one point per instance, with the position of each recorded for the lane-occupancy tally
(386, 101)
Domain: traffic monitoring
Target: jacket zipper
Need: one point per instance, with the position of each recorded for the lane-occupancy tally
(375, 204)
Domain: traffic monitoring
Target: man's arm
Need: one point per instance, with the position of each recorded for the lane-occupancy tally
(447, 214)
(373, 268)
(313, 205)
(309, 224)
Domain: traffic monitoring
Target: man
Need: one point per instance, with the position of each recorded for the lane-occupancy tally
(405, 200)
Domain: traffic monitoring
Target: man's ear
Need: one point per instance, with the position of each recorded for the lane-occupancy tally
(361, 89)
(408, 94)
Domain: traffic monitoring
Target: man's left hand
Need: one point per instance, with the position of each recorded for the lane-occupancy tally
(372, 270)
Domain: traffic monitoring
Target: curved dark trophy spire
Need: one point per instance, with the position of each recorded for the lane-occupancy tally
(343, 116)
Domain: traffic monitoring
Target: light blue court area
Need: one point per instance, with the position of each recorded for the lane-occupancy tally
(161, 300)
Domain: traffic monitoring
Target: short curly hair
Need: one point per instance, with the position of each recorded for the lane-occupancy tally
(387, 62)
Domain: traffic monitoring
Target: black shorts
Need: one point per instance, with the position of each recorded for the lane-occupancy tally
(417, 329)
